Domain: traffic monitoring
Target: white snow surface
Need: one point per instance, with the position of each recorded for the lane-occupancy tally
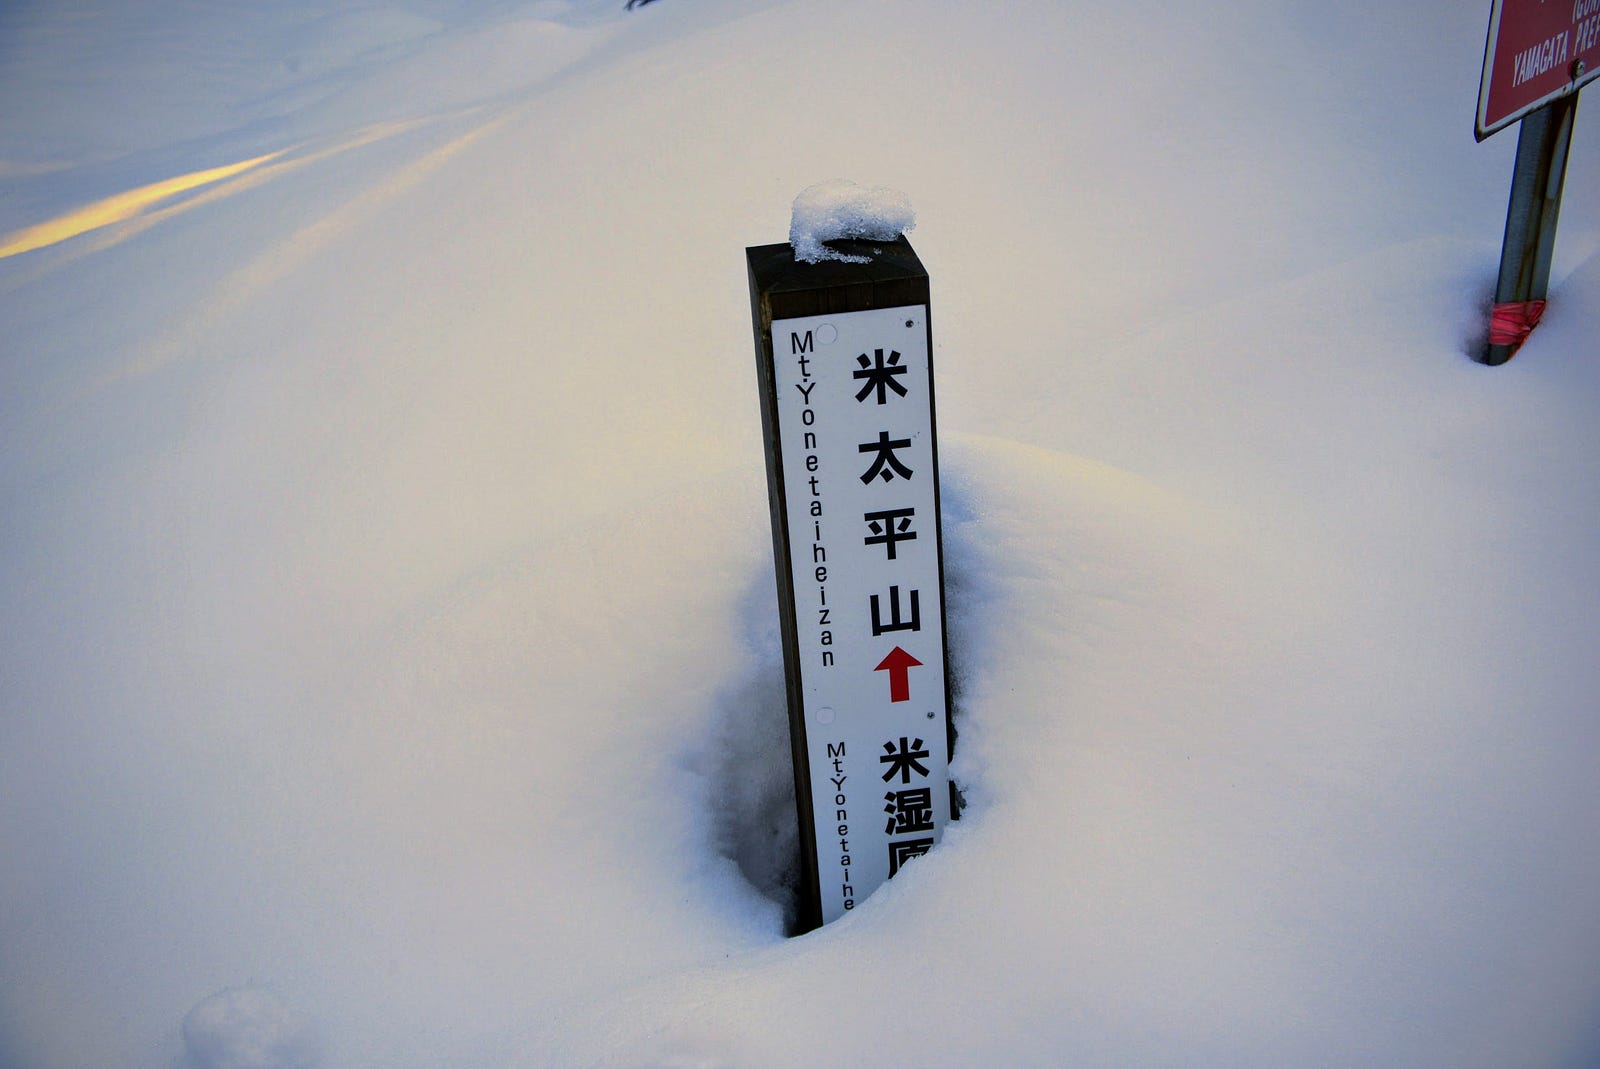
(247, 1028)
(840, 208)
(389, 631)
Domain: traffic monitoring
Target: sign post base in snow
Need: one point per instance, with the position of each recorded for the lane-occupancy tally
(1536, 58)
(844, 360)
(1530, 239)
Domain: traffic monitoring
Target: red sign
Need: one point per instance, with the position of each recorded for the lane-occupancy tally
(1538, 50)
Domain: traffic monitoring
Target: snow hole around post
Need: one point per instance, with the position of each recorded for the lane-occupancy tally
(837, 209)
(752, 771)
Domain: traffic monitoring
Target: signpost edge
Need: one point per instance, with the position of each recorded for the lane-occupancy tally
(808, 902)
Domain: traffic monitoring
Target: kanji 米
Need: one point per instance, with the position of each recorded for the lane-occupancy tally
(904, 761)
(881, 375)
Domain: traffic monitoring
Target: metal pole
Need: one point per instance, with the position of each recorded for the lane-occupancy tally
(1530, 237)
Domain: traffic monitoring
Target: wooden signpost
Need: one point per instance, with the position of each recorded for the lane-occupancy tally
(1538, 55)
(844, 361)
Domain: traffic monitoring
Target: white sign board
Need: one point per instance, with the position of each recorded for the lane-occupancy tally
(856, 442)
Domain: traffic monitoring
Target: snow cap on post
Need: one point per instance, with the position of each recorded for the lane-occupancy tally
(837, 209)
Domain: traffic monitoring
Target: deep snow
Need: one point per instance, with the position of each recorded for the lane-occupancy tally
(389, 673)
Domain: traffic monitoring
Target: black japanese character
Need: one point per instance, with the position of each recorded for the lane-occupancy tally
(885, 531)
(909, 810)
(885, 465)
(905, 760)
(895, 622)
(880, 376)
(903, 850)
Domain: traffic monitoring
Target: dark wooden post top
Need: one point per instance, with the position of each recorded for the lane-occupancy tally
(789, 289)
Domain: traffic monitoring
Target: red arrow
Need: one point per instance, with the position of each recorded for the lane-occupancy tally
(898, 664)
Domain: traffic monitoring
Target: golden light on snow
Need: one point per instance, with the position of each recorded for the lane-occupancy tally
(119, 208)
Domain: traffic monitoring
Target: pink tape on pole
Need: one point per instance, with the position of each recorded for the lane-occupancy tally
(1512, 322)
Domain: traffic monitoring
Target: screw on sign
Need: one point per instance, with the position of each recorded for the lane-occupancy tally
(1539, 53)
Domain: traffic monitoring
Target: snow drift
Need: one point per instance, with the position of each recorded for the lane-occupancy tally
(387, 593)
